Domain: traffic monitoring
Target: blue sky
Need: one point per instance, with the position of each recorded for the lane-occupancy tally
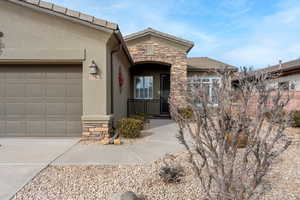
(254, 33)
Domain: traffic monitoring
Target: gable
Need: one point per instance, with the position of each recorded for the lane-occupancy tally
(160, 37)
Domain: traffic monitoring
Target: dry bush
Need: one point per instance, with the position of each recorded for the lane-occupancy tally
(171, 171)
(213, 136)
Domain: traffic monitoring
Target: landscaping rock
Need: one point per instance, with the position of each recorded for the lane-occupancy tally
(129, 196)
(117, 141)
(105, 141)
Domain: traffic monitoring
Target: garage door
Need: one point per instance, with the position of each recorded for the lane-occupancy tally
(40, 100)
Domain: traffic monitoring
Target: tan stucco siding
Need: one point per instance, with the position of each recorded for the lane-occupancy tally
(121, 67)
(46, 38)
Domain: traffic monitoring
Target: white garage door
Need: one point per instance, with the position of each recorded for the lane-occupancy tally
(40, 100)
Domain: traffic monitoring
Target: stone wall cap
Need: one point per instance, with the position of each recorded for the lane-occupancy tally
(97, 117)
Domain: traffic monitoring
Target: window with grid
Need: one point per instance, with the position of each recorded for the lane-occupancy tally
(209, 86)
(143, 87)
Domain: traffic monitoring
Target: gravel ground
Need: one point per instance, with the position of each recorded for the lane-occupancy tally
(102, 182)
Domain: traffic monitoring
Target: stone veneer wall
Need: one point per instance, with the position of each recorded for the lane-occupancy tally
(163, 53)
(96, 129)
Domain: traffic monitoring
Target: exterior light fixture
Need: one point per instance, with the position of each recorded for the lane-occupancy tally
(1, 34)
(93, 68)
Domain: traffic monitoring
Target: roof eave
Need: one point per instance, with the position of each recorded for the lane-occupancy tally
(110, 27)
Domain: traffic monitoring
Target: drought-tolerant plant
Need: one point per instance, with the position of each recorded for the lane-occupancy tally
(295, 115)
(129, 128)
(171, 172)
(213, 136)
(186, 113)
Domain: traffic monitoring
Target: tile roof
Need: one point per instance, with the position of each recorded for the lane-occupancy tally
(72, 14)
(151, 31)
(205, 63)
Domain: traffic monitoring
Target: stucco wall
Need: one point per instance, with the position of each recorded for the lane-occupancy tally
(34, 36)
(121, 67)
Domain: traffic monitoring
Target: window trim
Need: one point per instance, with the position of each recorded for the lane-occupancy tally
(134, 87)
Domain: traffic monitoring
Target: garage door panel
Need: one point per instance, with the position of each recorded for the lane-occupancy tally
(35, 109)
(40, 100)
(2, 127)
(56, 108)
(55, 127)
(74, 75)
(15, 109)
(34, 75)
(74, 91)
(15, 75)
(35, 128)
(16, 128)
(34, 90)
(15, 90)
(74, 109)
(73, 127)
(55, 90)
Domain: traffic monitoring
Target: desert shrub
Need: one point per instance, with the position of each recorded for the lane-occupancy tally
(295, 118)
(171, 174)
(129, 128)
(171, 171)
(186, 113)
(213, 139)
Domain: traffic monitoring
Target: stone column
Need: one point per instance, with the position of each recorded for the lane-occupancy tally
(178, 81)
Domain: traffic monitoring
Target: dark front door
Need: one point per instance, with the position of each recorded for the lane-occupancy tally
(164, 93)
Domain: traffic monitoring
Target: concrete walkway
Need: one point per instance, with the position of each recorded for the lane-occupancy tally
(157, 140)
(23, 159)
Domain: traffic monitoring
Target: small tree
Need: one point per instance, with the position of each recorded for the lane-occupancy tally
(214, 135)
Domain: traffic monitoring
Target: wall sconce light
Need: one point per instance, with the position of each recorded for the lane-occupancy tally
(93, 68)
(1, 34)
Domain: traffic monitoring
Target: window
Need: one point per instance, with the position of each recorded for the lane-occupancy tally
(209, 85)
(284, 85)
(143, 87)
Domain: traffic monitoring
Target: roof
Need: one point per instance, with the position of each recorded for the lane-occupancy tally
(205, 63)
(287, 66)
(57, 10)
(151, 31)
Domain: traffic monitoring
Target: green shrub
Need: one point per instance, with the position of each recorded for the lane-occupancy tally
(295, 115)
(129, 128)
(186, 113)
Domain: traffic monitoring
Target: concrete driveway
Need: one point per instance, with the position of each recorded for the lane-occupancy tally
(22, 159)
(157, 140)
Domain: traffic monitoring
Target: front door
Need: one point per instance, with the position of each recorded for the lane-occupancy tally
(164, 93)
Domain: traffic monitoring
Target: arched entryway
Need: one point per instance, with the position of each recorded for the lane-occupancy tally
(150, 89)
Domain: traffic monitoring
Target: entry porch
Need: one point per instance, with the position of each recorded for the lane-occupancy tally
(150, 89)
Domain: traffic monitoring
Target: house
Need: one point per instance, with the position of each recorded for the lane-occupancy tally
(65, 73)
(288, 77)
